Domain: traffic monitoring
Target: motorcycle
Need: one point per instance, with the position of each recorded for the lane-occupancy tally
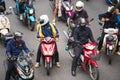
(5, 33)
(24, 68)
(87, 60)
(29, 16)
(48, 48)
(112, 2)
(110, 42)
(65, 11)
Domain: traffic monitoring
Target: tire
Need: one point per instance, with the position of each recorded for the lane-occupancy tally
(94, 72)
(32, 25)
(109, 57)
(48, 69)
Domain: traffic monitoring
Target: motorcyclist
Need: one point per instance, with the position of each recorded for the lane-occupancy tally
(57, 8)
(79, 12)
(117, 10)
(2, 6)
(110, 21)
(46, 29)
(14, 48)
(82, 35)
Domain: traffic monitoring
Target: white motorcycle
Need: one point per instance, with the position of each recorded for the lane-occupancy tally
(5, 34)
(110, 42)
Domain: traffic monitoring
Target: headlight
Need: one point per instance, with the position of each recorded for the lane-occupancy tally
(3, 21)
(31, 11)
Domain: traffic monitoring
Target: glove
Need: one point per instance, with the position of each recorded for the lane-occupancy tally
(31, 54)
(9, 57)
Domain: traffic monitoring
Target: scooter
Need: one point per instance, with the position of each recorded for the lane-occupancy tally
(5, 33)
(24, 68)
(29, 16)
(48, 48)
(65, 11)
(110, 42)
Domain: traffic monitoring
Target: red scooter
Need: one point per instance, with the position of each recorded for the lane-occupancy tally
(87, 60)
(48, 49)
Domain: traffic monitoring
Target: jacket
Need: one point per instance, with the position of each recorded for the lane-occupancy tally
(15, 49)
(83, 35)
(48, 30)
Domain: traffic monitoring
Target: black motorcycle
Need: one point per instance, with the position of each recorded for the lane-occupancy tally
(24, 69)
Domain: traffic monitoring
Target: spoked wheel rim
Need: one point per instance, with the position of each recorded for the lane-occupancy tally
(94, 73)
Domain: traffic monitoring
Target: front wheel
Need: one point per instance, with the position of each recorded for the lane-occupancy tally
(48, 69)
(94, 72)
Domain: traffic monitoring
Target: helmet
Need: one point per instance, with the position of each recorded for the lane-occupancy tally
(79, 6)
(82, 20)
(17, 34)
(44, 20)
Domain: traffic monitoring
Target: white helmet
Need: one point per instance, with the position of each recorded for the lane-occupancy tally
(79, 6)
(44, 20)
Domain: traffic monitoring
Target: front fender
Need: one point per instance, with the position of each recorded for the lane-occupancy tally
(93, 63)
(32, 18)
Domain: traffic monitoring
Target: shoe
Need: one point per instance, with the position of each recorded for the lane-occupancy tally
(67, 48)
(37, 65)
(118, 53)
(73, 73)
(58, 64)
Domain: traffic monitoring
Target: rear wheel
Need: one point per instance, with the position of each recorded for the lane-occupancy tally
(109, 56)
(94, 72)
(32, 25)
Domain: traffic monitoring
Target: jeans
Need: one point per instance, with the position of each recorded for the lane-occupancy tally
(11, 67)
(78, 50)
